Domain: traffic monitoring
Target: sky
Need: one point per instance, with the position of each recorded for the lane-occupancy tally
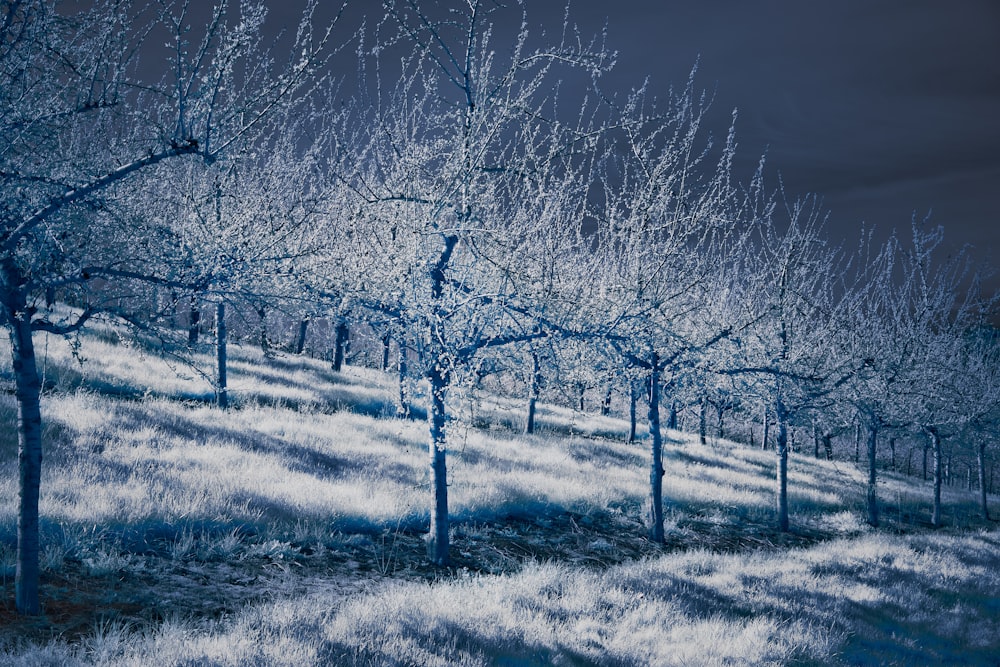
(884, 108)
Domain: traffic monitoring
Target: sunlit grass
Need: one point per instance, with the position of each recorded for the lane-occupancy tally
(297, 515)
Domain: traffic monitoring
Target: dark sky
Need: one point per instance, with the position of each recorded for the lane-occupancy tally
(882, 107)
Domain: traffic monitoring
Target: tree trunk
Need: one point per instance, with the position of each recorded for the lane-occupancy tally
(828, 445)
(437, 539)
(857, 443)
(220, 339)
(534, 389)
(702, 423)
(583, 390)
(386, 345)
(815, 442)
(300, 341)
(403, 410)
(767, 430)
(265, 344)
(981, 460)
(633, 397)
(656, 472)
(926, 448)
(29, 454)
(606, 403)
(938, 477)
(782, 448)
(341, 333)
(720, 412)
(194, 325)
(892, 454)
(872, 486)
(672, 416)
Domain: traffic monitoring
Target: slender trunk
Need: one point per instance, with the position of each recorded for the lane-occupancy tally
(767, 430)
(702, 423)
(386, 345)
(720, 412)
(751, 444)
(672, 416)
(815, 442)
(656, 471)
(981, 460)
(857, 442)
(633, 397)
(220, 339)
(437, 539)
(606, 403)
(194, 325)
(534, 389)
(872, 486)
(29, 454)
(938, 477)
(782, 448)
(265, 344)
(828, 445)
(892, 454)
(403, 410)
(926, 448)
(300, 341)
(341, 334)
(583, 390)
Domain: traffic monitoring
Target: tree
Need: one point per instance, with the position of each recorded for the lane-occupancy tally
(796, 308)
(464, 187)
(669, 231)
(78, 125)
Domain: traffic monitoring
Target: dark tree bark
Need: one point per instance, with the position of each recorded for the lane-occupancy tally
(981, 461)
(606, 403)
(583, 390)
(386, 348)
(341, 334)
(767, 430)
(702, 423)
(815, 442)
(403, 409)
(534, 388)
(656, 472)
(194, 323)
(265, 344)
(857, 442)
(782, 449)
(222, 357)
(720, 411)
(892, 454)
(633, 397)
(871, 490)
(938, 477)
(828, 445)
(437, 540)
(926, 449)
(29, 451)
(300, 341)
(672, 416)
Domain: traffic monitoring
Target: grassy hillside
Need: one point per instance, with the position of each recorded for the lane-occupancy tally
(288, 530)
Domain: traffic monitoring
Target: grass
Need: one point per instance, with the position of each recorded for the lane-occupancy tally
(289, 531)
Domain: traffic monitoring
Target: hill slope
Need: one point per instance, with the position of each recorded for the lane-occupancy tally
(289, 531)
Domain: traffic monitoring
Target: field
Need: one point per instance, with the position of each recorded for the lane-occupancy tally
(288, 531)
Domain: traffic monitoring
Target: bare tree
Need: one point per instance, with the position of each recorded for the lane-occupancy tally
(464, 189)
(668, 238)
(77, 126)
